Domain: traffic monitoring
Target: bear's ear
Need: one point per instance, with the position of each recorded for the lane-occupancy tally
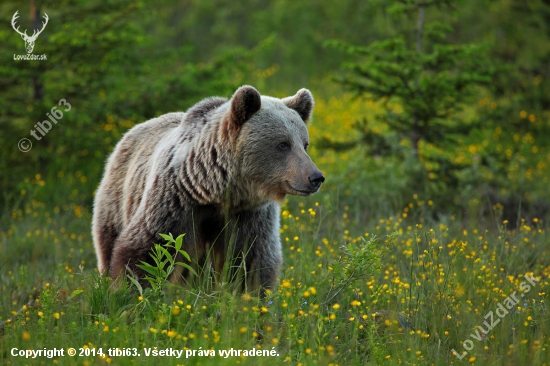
(302, 102)
(245, 102)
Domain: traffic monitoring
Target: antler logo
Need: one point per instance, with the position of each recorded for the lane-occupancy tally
(29, 41)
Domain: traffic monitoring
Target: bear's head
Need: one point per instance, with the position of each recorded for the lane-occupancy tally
(272, 142)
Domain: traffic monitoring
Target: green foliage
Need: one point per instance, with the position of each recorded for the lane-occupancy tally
(109, 67)
(431, 86)
(358, 261)
(412, 296)
(104, 299)
(164, 263)
(424, 87)
(120, 62)
(412, 6)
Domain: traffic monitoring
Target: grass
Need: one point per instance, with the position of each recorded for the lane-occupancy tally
(373, 274)
(398, 290)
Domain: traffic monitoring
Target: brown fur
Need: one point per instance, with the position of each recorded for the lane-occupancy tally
(220, 167)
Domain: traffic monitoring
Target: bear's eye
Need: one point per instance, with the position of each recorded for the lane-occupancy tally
(284, 146)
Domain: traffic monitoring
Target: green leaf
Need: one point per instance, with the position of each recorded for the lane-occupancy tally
(149, 268)
(136, 283)
(184, 265)
(179, 242)
(185, 254)
(169, 238)
(164, 253)
(76, 292)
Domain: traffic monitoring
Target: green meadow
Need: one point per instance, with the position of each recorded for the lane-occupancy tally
(427, 245)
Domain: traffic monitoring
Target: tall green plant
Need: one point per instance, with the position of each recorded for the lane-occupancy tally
(164, 263)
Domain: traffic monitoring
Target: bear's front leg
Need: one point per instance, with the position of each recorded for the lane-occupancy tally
(131, 248)
(255, 237)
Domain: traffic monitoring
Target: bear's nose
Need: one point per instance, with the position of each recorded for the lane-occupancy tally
(316, 179)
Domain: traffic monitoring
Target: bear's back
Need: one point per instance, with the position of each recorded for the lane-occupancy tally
(131, 162)
(134, 157)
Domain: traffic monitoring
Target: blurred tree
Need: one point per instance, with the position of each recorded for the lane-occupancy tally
(514, 118)
(117, 64)
(427, 80)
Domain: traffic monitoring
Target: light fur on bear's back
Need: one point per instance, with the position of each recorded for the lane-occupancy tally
(201, 172)
(127, 167)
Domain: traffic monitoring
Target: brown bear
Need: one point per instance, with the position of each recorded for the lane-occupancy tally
(224, 165)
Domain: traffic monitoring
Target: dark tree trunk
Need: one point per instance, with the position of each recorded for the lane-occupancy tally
(38, 93)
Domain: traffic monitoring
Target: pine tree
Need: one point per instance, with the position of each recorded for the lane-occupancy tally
(430, 78)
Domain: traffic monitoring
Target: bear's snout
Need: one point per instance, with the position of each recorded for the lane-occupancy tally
(316, 179)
